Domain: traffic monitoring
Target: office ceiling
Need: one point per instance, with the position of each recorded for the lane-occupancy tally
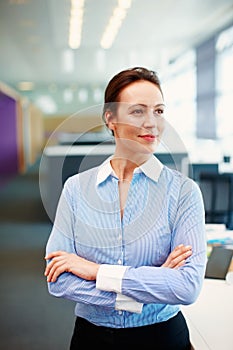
(34, 41)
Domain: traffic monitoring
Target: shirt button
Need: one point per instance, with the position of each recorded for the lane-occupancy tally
(119, 262)
(119, 312)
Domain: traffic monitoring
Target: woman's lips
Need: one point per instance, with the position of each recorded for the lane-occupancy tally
(148, 137)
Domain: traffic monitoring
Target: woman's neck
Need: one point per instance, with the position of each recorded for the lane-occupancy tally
(124, 167)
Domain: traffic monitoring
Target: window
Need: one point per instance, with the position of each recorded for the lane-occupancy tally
(179, 86)
(224, 87)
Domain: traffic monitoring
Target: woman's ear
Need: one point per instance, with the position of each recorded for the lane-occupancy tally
(109, 119)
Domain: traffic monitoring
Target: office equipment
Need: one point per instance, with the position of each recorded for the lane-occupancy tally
(217, 190)
(218, 263)
(195, 169)
(86, 138)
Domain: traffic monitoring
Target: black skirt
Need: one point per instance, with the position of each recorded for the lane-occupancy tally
(168, 335)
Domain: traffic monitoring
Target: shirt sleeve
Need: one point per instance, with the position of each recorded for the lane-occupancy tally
(68, 285)
(109, 278)
(125, 303)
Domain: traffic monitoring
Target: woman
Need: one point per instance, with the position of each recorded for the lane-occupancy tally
(128, 242)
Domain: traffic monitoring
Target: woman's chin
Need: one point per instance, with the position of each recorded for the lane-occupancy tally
(150, 148)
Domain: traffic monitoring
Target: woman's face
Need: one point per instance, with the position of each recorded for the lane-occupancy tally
(139, 122)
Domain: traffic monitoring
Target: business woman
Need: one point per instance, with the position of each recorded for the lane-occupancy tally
(128, 243)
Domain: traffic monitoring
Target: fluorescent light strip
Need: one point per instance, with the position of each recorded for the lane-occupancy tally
(114, 24)
(76, 23)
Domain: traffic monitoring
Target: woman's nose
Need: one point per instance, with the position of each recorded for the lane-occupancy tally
(150, 119)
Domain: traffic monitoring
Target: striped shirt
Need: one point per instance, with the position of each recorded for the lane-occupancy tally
(164, 208)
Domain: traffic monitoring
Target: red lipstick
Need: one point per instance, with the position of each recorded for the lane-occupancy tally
(148, 137)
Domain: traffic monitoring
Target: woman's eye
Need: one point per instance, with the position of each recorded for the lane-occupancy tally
(138, 112)
(159, 112)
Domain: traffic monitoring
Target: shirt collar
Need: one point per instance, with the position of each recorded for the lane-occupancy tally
(151, 168)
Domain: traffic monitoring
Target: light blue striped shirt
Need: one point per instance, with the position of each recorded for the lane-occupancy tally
(163, 209)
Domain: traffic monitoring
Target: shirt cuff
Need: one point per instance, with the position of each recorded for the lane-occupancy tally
(109, 277)
(127, 304)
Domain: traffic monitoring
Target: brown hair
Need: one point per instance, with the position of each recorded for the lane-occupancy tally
(122, 80)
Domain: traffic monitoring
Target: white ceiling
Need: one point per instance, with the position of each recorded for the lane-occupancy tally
(34, 37)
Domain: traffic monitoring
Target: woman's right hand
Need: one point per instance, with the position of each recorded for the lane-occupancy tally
(178, 256)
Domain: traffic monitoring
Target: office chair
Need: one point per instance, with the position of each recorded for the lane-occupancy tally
(217, 191)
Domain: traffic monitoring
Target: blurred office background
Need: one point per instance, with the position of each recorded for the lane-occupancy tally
(56, 59)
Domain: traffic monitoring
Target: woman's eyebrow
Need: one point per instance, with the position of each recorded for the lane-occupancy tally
(160, 105)
(144, 105)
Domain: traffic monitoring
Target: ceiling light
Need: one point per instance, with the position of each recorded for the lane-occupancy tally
(26, 85)
(100, 60)
(83, 95)
(68, 95)
(114, 24)
(97, 95)
(46, 104)
(124, 3)
(76, 23)
(68, 61)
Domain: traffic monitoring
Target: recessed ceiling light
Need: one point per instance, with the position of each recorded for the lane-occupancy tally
(46, 104)
(68, 60)
(68, 95)
(26, 85)
(83, 95)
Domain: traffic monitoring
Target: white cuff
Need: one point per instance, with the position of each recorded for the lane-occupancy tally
(127, 304)
(109, 277)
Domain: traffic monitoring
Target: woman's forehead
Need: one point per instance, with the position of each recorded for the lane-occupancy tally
(141, 92)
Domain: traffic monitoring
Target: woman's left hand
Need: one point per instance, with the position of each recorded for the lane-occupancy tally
(178, 256)
(69, 262)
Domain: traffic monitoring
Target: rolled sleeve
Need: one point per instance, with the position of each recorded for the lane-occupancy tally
(109, 278)
(127, 304)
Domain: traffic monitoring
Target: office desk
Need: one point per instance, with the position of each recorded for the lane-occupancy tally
(210, 317)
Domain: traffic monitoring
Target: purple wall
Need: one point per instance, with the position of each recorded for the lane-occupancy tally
(8, 136)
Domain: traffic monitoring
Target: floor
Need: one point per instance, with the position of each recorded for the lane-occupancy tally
(30, 318)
